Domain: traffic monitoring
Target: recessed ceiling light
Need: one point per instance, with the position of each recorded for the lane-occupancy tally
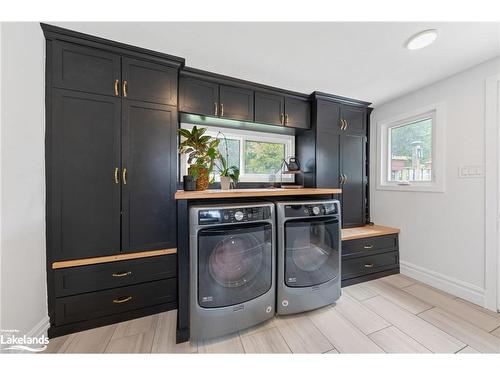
(422, 39)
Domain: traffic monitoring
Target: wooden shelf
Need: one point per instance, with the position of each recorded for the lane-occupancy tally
(367, 231)
(240, 193)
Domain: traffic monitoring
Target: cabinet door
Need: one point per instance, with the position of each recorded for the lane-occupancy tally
(327, 160)
(148, 187)
(149, 82)
(328, 116)
(269, 108)
(352, 158)
(236, 103)
(85, 69)
(198, 97)
(83, 153)
(355, 120)
(298, 113)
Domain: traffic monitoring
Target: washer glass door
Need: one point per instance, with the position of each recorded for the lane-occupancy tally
(312, 251)
(234, 264)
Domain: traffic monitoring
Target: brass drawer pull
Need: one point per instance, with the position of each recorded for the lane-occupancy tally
(369, 265)
(122, 274)
(123, 300)
(117, 85)
(125, 88)
(368, 246)
(222, 109)
(216, 109)
(124, 176)
(117, 181)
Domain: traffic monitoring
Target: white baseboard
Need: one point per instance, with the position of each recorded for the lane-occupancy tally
(456, 287)
(40, 328)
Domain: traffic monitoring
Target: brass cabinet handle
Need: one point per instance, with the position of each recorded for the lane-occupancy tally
(369, 265)
(123, 300)
(341, 125)
(286, 119)
(346, 124)
(117, 87)
(117, 181)
(216, 109)
(368, 246)
(345, 179)
(282, 119)
(125, 88)
(124, 176)
(222, 109)
(122, 274)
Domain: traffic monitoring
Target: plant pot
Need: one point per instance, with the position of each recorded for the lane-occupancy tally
(189, 183)
(225, 183)
(202, 179)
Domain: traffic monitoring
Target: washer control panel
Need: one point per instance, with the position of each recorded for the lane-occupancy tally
(233, 215)
(311, 209)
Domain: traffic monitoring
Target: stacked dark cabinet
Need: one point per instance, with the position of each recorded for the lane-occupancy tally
(111, 165)
(334, 153)
(207, 94)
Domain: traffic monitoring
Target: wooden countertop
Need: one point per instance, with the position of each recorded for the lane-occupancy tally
(367, 231)
(241, 193)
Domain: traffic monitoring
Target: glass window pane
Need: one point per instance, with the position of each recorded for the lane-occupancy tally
(232, 153)
(411, 151)
(263, 157)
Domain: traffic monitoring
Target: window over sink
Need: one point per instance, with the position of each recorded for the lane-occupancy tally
(258, 155)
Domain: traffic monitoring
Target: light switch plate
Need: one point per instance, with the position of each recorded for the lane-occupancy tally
(471, 171)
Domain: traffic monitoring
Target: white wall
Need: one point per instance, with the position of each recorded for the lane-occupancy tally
(442, 239)
(23, 280)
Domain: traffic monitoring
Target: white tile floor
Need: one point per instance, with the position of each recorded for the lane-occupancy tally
(395, 314)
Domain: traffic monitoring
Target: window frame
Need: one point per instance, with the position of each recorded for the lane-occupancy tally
(248, 135)
(437, 184)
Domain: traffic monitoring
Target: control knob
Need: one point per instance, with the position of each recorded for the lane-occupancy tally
(238, 215)
(316, 210)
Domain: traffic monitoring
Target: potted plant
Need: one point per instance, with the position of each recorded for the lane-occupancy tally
(227, 173)
(201, 151)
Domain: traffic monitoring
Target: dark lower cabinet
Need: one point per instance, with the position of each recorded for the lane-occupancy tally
(352, 167)
(83, 158)
(149, 82)
(327, 156)
(83, 68)
(149, 176)
(236, 103)
(369, 258)
(269, 108)
(198, 97)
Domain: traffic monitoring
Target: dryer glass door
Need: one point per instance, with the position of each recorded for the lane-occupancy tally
(234, 264)
(312, 251)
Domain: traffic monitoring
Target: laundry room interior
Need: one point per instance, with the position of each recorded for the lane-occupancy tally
(250, 187)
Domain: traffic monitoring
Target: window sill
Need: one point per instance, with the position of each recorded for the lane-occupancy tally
(425, 188)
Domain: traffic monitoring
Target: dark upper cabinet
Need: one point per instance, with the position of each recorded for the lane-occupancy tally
(236, 103)
(352, 166)
(269, 108)
(83, 160)
(149, 82)
(328, 116)
(354, 120)
(297, 113)
(149, 176)
(198, 96)
(86, 69)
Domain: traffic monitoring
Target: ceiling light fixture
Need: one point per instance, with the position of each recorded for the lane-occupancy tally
(422, 39)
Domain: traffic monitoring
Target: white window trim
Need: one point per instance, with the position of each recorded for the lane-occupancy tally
(242, 136)
(437, 184)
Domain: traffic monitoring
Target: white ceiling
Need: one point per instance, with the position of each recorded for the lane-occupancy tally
(362, 60)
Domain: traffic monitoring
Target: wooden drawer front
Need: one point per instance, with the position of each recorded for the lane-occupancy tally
(365, 246)
(75, 280)
(369, 264)
(113, 301)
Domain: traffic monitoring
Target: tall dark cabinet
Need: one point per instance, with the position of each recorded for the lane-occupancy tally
(111, 166)
(334, 153)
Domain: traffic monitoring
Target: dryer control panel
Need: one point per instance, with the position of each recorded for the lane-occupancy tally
(311, 209)
(233, 215)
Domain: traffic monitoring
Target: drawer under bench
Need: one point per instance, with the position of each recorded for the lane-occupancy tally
(369, 253)
(88, 294)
